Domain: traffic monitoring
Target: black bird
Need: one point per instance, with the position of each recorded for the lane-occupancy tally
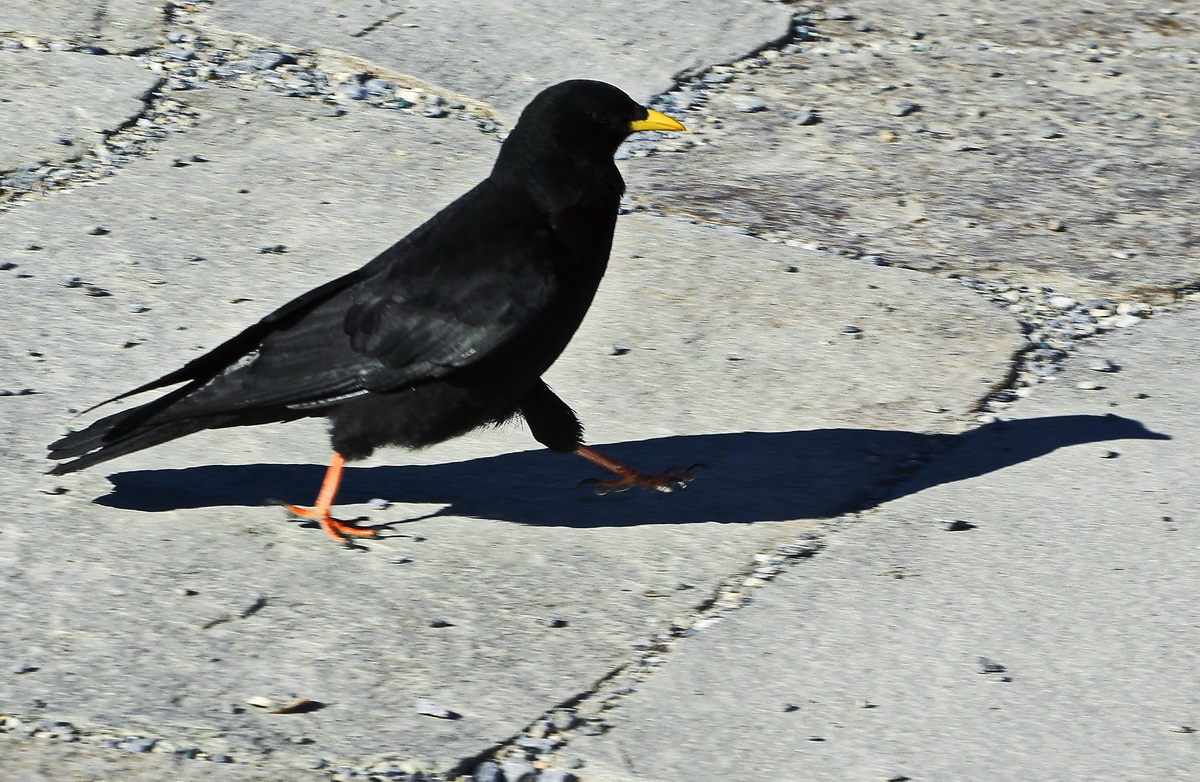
(448, 330)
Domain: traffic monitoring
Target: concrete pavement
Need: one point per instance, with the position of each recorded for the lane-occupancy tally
(171, 173)
(1008, 617)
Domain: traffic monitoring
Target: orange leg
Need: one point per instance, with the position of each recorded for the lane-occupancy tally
(628, 477)
(338, 530)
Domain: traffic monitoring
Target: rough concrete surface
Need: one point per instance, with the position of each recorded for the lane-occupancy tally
(42, 760)
(567, 556)
(1134, 24)
(117, 25)
(155, 598)
(56, 106)
(469, 48)
(1074, 573)
(1000, 160)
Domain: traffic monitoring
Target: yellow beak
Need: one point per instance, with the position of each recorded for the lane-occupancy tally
(655, 121)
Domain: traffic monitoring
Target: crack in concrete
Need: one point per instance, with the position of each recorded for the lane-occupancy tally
(130, 140)
(101, 160)
(376, 25)
(589, 706)
(467, 765)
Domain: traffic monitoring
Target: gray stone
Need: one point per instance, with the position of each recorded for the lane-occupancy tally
(55, 728)
(266, 59)
(488, 771)
(518, 770)
(985, 665)
(137, 744)
(540, 746)
(806, 117)
(796, 550)
(430, 708)
(556, 775)
(563, 719)
(902, 108)
(179, 53)
(748, 105)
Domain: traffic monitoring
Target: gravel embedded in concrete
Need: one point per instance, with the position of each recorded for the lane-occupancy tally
(637, 46)
(863, 181)
(57, 106)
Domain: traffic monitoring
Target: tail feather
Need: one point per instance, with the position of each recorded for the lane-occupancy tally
(91, 438)
(153, 423)
(97, 443)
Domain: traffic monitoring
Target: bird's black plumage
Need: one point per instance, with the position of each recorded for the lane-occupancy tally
(448, 330)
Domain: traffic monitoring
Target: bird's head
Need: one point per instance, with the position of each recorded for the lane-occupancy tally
(587, 117)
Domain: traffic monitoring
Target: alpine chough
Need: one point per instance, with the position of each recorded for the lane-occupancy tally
(448, 330)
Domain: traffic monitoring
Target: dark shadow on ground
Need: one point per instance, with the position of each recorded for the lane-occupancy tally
(751, 476)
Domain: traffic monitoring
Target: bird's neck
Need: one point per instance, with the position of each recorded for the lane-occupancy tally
(559, 179)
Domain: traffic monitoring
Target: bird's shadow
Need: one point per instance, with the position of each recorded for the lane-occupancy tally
(750, 476)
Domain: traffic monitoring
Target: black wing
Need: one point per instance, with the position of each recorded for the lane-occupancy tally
(440, 299)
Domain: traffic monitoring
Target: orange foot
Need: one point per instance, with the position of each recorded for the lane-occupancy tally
(341, 531)
(335, 528)
(664, 481)
(628, 478)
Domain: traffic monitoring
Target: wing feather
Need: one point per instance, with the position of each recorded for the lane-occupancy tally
(438, 300)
